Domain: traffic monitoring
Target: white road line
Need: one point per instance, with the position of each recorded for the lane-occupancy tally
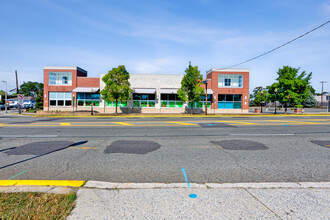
(28, 136)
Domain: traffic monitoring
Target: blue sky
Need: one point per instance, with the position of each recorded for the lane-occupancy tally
(162, 36)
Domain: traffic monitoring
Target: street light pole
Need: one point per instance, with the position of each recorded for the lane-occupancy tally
(275, 99)
(205, 82)
(92, 101)
(5, 97)
(262, 94)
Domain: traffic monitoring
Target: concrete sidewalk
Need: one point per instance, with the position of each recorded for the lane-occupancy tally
(101, 200)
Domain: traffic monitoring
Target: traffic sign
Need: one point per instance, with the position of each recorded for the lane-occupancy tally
(20, 96)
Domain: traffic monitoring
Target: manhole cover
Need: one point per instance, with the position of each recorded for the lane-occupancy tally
(40, 148)
(213, 125)
(240, 145)
(322, 143)
(132, 147)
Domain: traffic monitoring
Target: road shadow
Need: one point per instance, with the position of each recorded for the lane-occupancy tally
(52, 150)
(7, 148)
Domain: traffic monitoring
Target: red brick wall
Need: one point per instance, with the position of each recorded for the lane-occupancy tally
(79, 79)
(57, 88)
(88, 81)
(213, 84)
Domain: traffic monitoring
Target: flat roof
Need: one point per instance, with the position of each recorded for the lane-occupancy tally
(226, 70)
(65, 68)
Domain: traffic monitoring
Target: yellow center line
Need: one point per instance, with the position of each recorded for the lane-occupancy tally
(65, 124)
(3, 125)
(180, 123)
(298, 122)
(123, 123)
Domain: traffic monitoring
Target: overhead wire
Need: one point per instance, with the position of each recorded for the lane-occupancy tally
(276, 48)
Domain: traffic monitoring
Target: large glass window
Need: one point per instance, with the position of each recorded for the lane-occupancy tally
(86, 98)
(229, 101)
(144, 100)
(230, 80)
(60, 78)
(201, 104)
(113, 104)
(170, 101)
(60, 99)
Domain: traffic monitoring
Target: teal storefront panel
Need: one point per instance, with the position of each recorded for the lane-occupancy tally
(221, 105)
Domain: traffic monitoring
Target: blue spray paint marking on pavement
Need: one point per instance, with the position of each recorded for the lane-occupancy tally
(16, 175)
(209, 124)
(285, 125)
(193, 196)
(185, 176)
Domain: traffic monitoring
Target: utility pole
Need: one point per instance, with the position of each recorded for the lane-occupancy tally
(322, 91)
(17, 91)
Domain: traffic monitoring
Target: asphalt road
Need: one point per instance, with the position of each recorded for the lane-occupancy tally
(225, 149)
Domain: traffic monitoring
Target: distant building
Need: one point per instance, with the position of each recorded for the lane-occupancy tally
(228, 92)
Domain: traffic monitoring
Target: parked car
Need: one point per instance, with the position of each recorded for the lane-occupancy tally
(2, 106)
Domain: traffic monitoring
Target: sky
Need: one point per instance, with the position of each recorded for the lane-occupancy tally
(162, 36)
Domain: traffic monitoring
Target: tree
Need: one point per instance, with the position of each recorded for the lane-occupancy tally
(191, 82)
(33, 89)
(117, 86)
(310, 101)
(291, 87)
(2, 95)
(259, 95)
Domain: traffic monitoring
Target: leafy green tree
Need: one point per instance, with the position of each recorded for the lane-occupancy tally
(33, 89)
(2, 95)
(117, 86)
(291, 86)
(191, 90)
(259, 95)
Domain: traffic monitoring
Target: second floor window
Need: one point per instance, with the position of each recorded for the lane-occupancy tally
(60, 78)
(230, 80)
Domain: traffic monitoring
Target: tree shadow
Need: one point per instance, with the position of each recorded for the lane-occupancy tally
(59, 149)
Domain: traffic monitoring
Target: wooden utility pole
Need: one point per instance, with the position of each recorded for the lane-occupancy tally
(17, 91)
(322, 91)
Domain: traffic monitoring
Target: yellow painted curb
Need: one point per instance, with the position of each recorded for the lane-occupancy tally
(181, 116)
(72, 183)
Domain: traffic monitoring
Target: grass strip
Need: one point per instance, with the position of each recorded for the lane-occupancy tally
(34, 205)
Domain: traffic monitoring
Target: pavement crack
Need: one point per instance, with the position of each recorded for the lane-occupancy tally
(263, 204)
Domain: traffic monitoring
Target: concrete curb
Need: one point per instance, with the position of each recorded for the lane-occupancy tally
(285, 185)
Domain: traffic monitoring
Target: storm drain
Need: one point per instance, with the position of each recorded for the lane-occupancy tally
(215, 125)
(132, 147)
(322, 143)
(240, 145)
(40, 148)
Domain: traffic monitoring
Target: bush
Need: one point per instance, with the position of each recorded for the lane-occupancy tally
(298, 106)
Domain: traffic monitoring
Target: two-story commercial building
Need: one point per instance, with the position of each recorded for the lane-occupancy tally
(69, 88)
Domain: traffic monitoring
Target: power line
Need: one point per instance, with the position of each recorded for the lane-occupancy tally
(278, 46)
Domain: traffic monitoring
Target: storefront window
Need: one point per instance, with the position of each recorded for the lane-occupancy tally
(85, 99)
(170, 101)
(60, 99)
(229, 101)
(144, 100)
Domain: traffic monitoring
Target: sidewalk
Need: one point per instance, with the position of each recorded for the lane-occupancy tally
(99, 200)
